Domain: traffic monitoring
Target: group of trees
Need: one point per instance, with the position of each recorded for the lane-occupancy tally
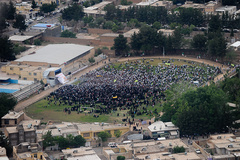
(8, 14)
(74, 12)
(203, 110)
(69, 141)
(47, 8)
(147, 40)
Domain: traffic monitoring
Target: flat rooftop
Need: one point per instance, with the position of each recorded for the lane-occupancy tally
(19, 38)
(13, 115)
(56, 53)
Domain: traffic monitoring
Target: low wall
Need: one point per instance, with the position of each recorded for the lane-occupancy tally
(67, 40)
(204, 153)
(98, 31)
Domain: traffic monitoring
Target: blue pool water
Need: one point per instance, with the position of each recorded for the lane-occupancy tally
(8, 90)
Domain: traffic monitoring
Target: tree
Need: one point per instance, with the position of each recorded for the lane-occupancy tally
(3, 23)
(48, 140)
(7, 102)
(11, 11)
(79, 141)
(177, 39)
(215, 23)
(178, 149)
(117, 133)
(104, 136)
(6, 49)
(231, 54)
(20, 23)
(91, 60)
(199, 42)
(120, 158)
(231, 86)
(156, 25)
(4, 142)
(47, 8)
(37, 42)
(68, 34)
(120, 45)
(74, 12)
(202, 111)
(34, 5)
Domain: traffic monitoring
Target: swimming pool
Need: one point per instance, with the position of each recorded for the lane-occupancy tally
(8, 90)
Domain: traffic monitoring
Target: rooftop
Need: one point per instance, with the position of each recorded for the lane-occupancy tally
(48, 54)
(236, 44)
(85, 127)
(82, 151)
(99, 5)
(160, 126)
(13, 115)
(19, 38)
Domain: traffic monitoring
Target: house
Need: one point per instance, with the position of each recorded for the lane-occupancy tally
(28, 151)
(3, 154)
(80, 153)
(25, 131)
(226, 9)
(12, 118)
(166, 32)
(163, 129)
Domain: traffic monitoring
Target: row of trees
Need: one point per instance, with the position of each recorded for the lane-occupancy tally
(148, 40)
(202, 110)
(69, 142)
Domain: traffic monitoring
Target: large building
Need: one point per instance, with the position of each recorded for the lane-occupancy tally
(25, 131)
(67, 57)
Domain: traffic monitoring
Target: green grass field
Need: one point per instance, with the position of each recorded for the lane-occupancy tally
(55, 112)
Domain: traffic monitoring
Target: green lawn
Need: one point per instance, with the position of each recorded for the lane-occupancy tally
(41, 109)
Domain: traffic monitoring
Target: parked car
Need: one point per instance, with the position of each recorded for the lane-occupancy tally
(198, 151)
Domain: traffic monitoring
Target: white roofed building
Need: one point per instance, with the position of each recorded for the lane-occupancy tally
(56, 58)
(163, 129)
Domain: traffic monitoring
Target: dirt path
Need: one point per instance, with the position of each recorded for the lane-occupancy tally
(21, 105)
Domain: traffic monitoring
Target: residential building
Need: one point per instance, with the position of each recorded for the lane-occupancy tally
(166, 4)
(226, 9)
(211, 7)
(163, 129)
(80, 153)
(29, 151)
(190, 4)
(41, 2)
(12, 118)
(25, 131)
(166, 32)
(89, 131)
(3, 154)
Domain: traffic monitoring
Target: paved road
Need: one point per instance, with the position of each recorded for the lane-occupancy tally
(99, 152)
(21, 105)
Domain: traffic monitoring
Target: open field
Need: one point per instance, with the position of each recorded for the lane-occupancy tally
(44, 111)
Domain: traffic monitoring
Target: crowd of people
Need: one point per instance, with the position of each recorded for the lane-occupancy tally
(131, 86)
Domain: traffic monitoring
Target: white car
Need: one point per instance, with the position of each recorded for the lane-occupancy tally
(198, 151)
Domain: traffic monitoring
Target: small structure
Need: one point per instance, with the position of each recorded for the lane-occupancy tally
(3, 154)
(80, 153)
(226, 9)
(28, 150)
(12, 118)
(236, 46)
(166, 32)
(163, 129)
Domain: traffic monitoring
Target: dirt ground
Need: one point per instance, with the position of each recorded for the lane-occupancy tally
(22, 104)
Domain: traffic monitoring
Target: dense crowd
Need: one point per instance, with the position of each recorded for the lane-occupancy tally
(132, 86)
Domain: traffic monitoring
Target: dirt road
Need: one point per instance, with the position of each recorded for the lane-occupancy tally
(21, 105)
